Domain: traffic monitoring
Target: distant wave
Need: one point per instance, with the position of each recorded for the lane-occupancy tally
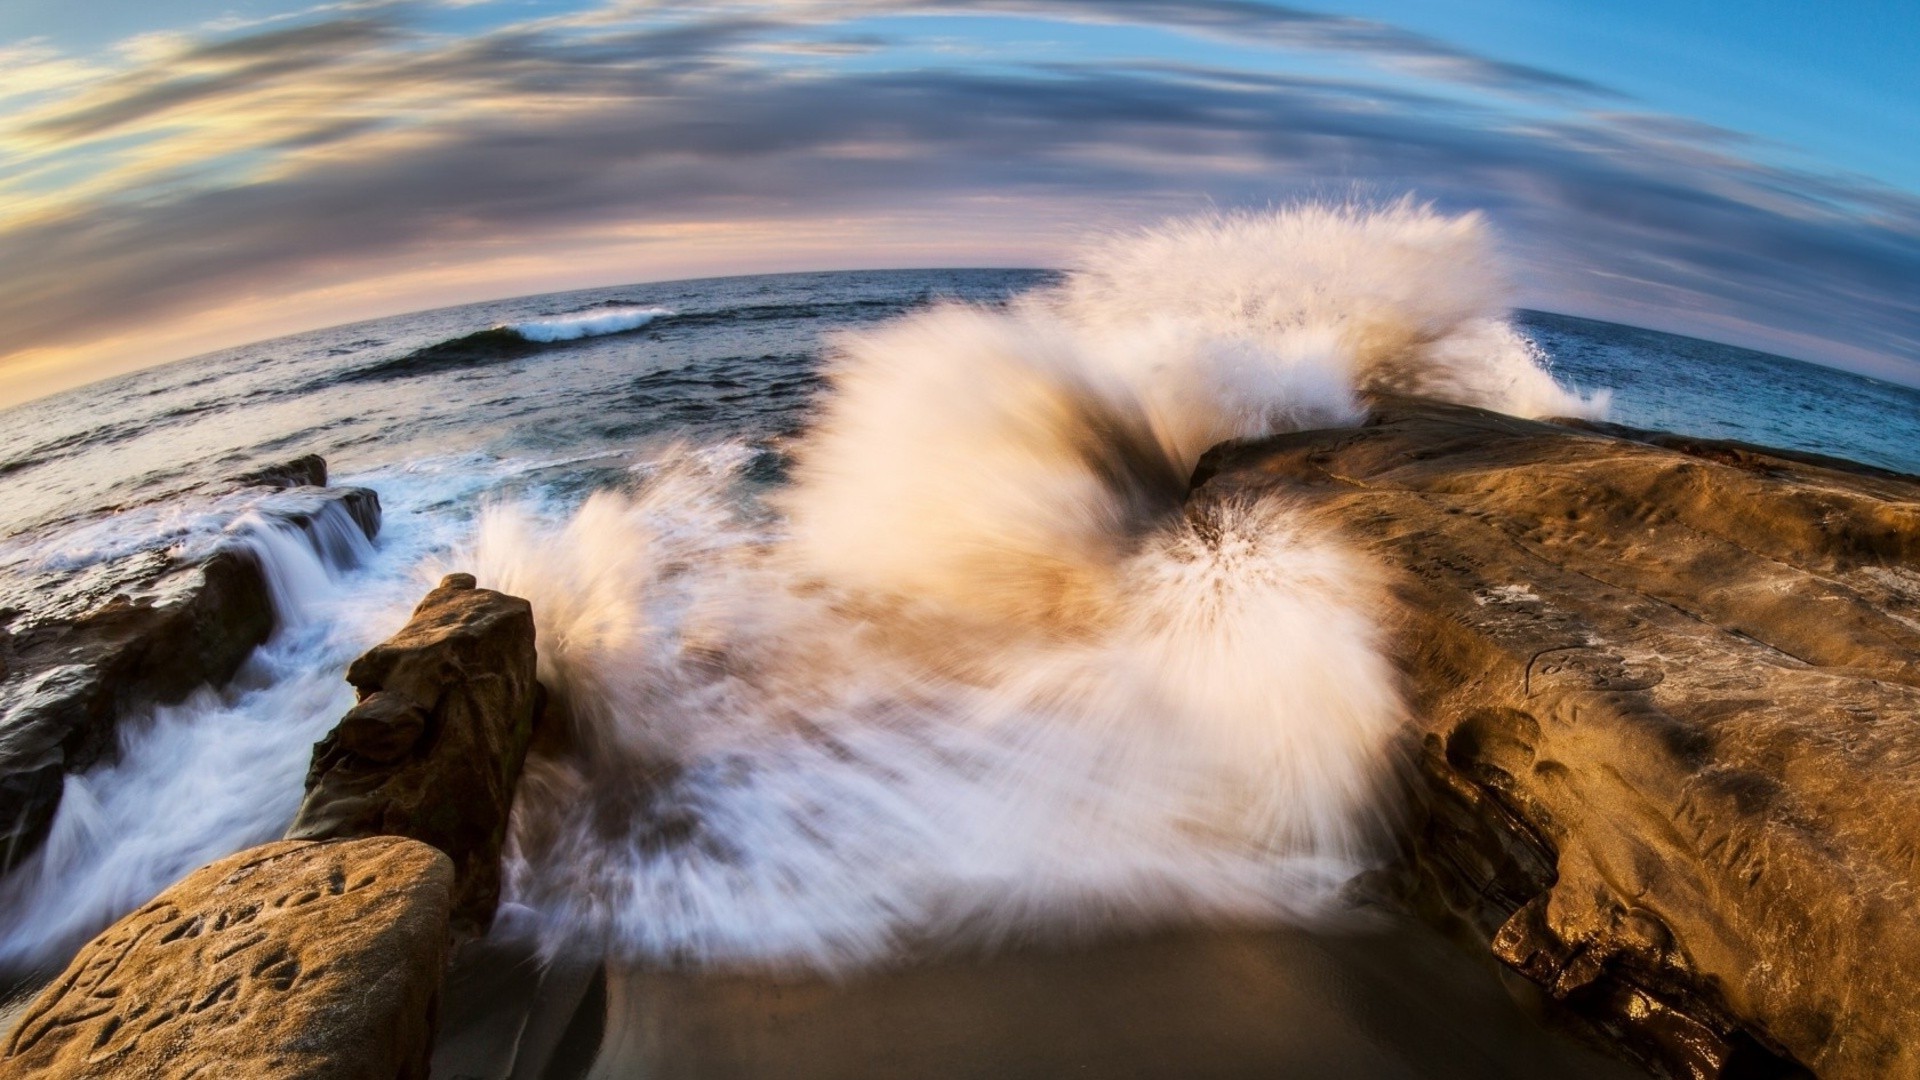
(586, 324)
(510, 341)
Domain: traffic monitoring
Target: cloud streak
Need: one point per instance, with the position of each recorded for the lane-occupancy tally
(280, 167)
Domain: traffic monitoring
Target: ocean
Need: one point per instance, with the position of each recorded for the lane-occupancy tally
(1064, 732)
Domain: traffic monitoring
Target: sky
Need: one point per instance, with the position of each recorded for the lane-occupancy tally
(183, 175)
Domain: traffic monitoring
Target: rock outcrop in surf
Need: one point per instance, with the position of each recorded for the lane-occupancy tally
(1665, 692)
(324, 954)
(433, 749)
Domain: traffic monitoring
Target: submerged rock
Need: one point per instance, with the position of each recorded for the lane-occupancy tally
(148, 627)
(1667, 692)
(434, 748)
(316, 961)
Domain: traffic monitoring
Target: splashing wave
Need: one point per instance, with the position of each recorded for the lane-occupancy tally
(983, 671)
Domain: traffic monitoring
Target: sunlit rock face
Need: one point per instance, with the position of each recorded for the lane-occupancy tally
(314, 960)
(1666, 692)
(434, 747)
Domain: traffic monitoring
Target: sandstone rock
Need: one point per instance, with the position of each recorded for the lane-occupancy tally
(166, 626)
(434, 748)
(1667, 691)
(316, 961)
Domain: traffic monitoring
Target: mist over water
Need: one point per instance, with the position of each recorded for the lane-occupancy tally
(979, 673)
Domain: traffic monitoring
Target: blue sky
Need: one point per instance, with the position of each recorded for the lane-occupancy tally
(181, 175)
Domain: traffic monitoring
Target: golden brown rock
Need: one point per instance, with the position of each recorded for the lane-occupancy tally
(320, 961)
(433, 749)
(1668, 691)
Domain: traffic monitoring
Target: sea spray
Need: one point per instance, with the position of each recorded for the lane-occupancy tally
(985, 673)
(800, 778)
(1343, 299)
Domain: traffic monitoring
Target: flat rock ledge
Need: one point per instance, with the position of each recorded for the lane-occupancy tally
(434, 748)
(1666, 691)
(316, 961)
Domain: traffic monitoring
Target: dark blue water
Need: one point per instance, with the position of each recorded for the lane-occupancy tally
(1694, 387)
(741, 355)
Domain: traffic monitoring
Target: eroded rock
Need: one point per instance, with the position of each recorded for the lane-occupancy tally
(321, 961)
(1668, 697)
(434, 748)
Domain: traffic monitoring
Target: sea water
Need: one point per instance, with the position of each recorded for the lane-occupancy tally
(867, 599)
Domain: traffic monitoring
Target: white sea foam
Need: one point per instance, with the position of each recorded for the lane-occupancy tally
(983, 673)
(222, 770)
(587, 324)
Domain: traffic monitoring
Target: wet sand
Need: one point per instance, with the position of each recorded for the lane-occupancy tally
(1394, 1001)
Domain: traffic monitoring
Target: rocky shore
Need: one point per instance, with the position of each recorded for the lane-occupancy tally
(1661, 761)
(1665, 693)
(147, 627)
(322, 956)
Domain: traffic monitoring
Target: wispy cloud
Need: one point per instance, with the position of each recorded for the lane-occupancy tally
(244, 183)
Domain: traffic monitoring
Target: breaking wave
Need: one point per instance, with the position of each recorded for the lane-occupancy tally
(586, 324)
(984, 671)
(499, 344)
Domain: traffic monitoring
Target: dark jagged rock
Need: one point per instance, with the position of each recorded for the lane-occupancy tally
(68, 681)
(434, 748)
(1667, 692)
(70, 670)
(292, 961)
(308, 471)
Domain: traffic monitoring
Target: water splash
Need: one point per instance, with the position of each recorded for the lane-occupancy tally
(983, 672)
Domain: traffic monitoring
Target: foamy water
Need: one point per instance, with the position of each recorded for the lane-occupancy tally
(974, 672)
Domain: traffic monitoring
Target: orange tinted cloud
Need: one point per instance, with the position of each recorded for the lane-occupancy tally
(198, 190)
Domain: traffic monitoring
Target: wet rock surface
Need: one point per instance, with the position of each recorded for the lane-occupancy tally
(307, 471)
(1666, 692)
(90, 642)
(321, 961)
(434, 748)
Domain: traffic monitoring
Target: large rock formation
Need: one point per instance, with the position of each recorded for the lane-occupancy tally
(292, 960)
(1669, 695)
(148, 626)
(434, 748)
